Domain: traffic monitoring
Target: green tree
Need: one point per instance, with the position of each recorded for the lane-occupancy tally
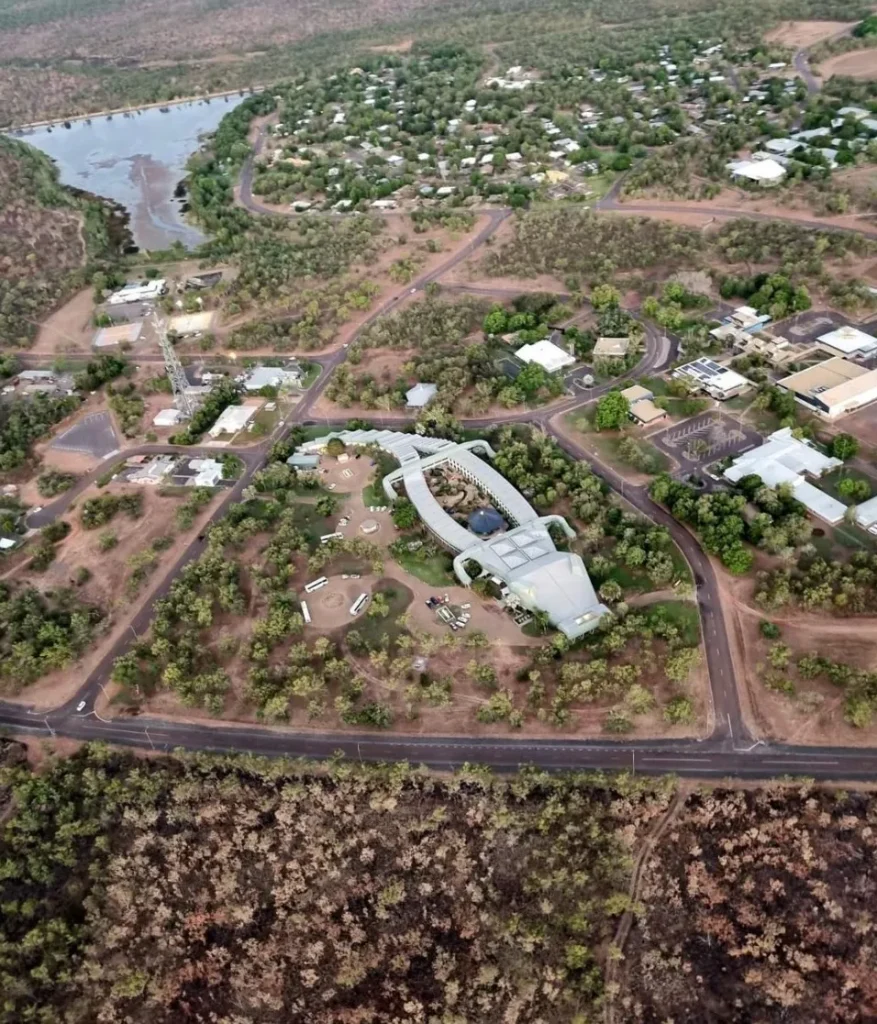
(844, 447)
(612, 412)
(605, 296)
(496, 321)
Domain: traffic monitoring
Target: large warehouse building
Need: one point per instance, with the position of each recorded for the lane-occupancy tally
(524, 558)
(833, 388)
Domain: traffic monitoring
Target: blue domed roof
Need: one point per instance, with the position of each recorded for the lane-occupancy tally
(486, 520)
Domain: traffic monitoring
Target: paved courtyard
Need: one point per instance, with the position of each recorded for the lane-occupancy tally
(704, 439)
(93, 435)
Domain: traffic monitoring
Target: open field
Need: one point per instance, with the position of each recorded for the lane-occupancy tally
(857, 64)
(801, 34)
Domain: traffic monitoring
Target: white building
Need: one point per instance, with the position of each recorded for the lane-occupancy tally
(190, 325)
(167, 418)
(420, 395)
(118, 334)
(833, 388)
(866, 515)
(271, 377)
(611, 348)
(208, 472)
(784, 459)
(548, 355)
(232, 420)
(147, 292)
(785, 147)
(848, 341)
(764, 172)
(524, 559)
(717, 381)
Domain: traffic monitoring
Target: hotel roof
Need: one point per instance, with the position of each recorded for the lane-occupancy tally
(525, 557)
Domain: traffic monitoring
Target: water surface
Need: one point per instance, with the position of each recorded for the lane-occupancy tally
(137, 160)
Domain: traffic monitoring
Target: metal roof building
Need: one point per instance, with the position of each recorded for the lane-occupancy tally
(718, 381)
(232, 419)
(537, 575)
(420, 395)
(833, 388)
(848, 341)
(548, 355)
(271, 377)
(118, 334)
(783, 459)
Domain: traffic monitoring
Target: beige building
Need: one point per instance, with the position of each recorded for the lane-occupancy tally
(833, 388)
(611, 348)
(642, 407)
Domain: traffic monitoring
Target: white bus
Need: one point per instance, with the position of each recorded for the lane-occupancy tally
(305, 612)
(330, 536)
(316, 584)
(359, 604)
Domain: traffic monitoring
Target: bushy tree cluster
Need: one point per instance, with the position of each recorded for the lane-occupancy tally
(41, 633)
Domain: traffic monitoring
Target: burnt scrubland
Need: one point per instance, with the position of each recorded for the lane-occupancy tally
(255, 891)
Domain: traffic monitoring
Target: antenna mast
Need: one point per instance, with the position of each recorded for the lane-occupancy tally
(174, 368)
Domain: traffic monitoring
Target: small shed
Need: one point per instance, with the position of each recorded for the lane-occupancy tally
(167, 418)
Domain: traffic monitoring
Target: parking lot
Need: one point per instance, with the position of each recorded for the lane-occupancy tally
(92, 435)
(704, 439)
(805, 328)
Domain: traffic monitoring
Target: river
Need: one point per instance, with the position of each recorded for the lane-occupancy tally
(137, 160)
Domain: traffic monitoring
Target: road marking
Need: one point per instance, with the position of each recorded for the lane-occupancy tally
(792, 760)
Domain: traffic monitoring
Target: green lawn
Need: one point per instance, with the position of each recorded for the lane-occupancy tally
(657, 385)
(599, 184)
(373, 494)
(683, 613)
(434, 571)
(739, 404)
(636, 581)
(607, 445)
(376, 629)
(312, 525)
(312, 371)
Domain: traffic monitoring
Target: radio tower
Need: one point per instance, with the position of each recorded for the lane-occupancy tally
(174, 368)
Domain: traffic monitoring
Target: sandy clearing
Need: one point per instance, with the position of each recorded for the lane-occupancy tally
(69, 329)
(730, 200)
(799, 34)
(403, 46)
(856, 64)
